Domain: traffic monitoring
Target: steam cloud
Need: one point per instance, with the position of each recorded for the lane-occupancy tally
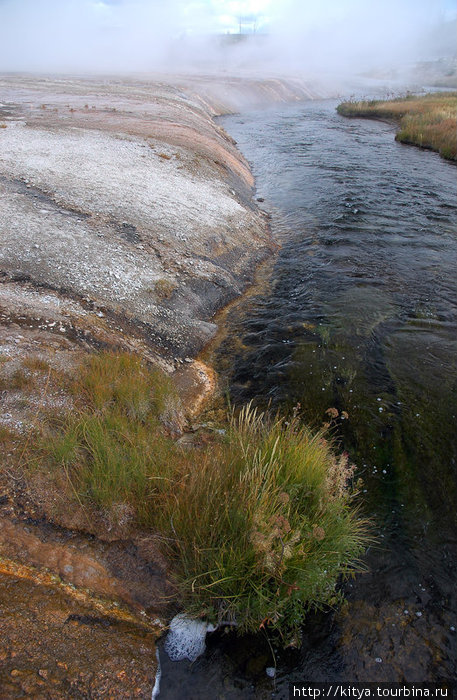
(293, 36)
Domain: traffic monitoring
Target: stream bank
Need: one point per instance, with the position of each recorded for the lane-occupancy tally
(357, 312)
(105, 245)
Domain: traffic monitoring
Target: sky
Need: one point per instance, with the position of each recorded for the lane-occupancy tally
(147, 35)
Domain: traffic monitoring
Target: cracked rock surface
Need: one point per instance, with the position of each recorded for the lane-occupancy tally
(130, 195)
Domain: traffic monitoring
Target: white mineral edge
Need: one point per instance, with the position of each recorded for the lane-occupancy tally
(156, 688)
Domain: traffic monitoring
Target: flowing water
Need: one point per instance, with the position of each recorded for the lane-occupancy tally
(360, 315)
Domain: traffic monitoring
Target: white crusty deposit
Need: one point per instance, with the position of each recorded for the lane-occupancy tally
(127, 196)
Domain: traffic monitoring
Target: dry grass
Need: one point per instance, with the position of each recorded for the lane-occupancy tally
(36, 364)
(164, 288)
(428, 121)
(19, 380)
(7, 436)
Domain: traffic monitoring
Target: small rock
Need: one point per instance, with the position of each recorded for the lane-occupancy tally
(270, 671)
(43, 673)
(378, 660)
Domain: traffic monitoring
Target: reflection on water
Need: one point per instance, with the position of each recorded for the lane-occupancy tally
(361, 315)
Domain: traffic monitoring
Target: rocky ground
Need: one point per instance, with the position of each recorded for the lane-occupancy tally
(127, 222)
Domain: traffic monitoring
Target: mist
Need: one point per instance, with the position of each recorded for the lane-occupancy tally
(332, 37)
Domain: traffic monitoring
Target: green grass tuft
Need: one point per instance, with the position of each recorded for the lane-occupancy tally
(261, 526)
(258, 523)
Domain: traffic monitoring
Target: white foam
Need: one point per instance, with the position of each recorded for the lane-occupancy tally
(186, 638)
(156, 688)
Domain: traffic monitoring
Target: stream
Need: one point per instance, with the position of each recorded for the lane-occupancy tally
(359, 313)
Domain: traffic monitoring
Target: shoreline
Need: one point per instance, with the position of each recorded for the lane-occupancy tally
(427, 121)
(88, 264)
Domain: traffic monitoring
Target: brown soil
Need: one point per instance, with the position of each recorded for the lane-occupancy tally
(56, 646)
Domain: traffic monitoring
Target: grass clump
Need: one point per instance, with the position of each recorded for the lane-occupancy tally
(260, 525)
(428, 121)
(115, 443)
(164, 288)
(19, 380)
(257, 523)
(36, 364)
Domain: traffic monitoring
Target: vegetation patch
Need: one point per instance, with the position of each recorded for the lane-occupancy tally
(36, 364)
(428, 121)
(17, 381)
(257, 520)
(261, 527)
(164, 288)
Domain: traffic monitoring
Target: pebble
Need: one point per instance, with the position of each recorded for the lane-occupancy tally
(270, 671)
(378, 660)
(419, 614)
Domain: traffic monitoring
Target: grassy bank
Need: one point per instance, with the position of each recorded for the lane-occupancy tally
(428, 121)
(256, 518)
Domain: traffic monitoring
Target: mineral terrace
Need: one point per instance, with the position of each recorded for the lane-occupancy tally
(127, 221)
